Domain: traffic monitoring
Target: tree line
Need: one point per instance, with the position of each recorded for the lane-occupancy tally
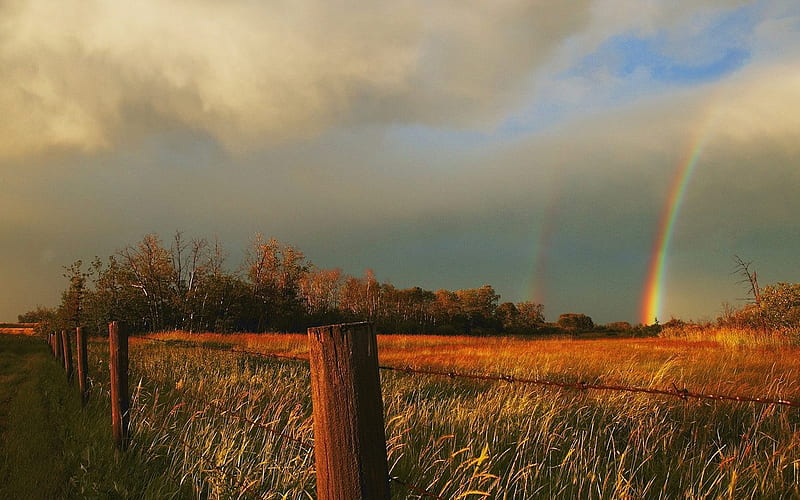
(187, 285)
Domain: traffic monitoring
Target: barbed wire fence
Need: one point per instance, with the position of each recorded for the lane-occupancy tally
(61, 351)
(673, 391)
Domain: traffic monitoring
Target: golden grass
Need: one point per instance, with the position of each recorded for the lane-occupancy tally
(471, 439)
(734, 337)
(702, 363)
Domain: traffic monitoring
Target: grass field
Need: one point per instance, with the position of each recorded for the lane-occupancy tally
(467, 439)
(50, 447)
(213, 424)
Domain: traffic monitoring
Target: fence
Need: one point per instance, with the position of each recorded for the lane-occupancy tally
(349, 441)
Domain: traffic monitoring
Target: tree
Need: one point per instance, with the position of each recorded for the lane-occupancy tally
(619, 326)
(274, 272)
(151, 267)
(575, 321)
(321, 291)
(37, 315)
(507, 315)
(407, 310)
(190, 263)
(116, 297)
(531, 315)
(478, 306)
(446, 307)
(749, 278)
(520, 318)
(217, 300)
(45, 317)
(72, 299)
(361, 297)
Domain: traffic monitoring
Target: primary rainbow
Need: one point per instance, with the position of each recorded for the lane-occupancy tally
(654, 287)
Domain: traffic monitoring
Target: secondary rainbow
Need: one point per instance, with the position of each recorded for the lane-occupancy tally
(654, 286)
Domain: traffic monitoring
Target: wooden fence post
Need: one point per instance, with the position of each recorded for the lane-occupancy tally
(67, 354)
(118, 364)
(349, 437)
(80, 347)
(51, 344)
(59, 349)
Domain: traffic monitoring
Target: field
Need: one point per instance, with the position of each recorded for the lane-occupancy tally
(50, 447)
(18, 328)
(214, 424)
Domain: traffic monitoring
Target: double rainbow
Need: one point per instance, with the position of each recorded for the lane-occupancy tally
(654, 286)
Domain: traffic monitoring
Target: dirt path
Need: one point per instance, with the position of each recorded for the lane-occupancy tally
(32, 394)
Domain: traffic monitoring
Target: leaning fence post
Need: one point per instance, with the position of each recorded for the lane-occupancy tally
(118, 364)
(349, 437)
(80, 347)
(67, 354)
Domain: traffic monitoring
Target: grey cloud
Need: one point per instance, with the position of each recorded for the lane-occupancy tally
(88, 76)
(252, 74)
(323, 173)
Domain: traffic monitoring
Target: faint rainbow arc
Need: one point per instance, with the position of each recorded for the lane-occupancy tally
(538, 283)
(654, 286)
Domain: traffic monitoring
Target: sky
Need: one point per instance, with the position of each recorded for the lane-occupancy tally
(605, 157)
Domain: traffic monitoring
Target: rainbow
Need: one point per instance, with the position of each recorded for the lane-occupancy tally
(538, 283)
(654, 286)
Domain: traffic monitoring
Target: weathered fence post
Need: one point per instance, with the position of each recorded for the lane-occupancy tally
(118, 364)
(59, 349)
(80, 347)
(349, 437)
(51, 344)
(67, 354)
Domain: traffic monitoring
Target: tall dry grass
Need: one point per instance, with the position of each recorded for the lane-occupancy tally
(734, 337)
(229, 424)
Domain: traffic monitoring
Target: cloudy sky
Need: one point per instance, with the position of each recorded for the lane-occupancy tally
(531, 145)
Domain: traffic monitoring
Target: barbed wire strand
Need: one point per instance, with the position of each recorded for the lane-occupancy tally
(684, 393)
(674, 392)
(190, 344)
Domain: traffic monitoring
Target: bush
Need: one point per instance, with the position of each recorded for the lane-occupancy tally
(777, 308)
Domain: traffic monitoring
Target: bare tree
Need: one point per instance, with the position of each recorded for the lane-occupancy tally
(749, 277)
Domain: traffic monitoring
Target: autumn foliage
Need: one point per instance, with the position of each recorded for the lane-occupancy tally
(191, 286)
